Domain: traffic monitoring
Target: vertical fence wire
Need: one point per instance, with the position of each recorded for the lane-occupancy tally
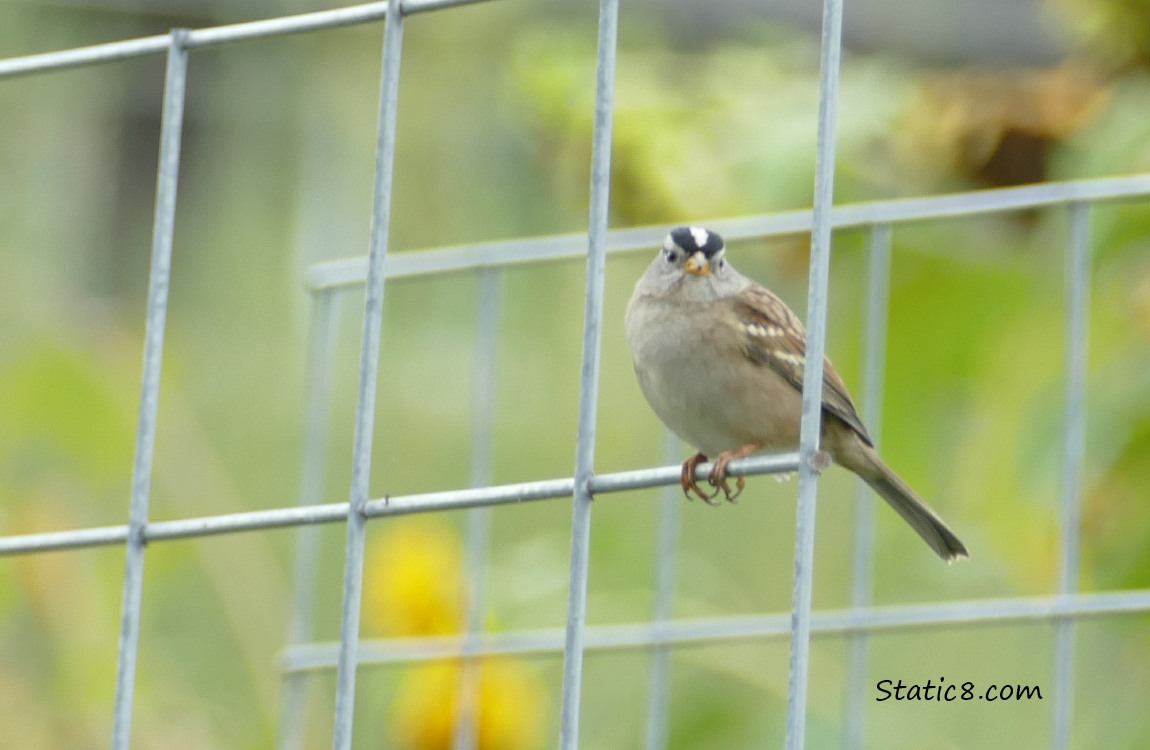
(167, 179)
(874, 368)
(1073, 458)
(479, 519)
(813, 376)
(368, 379)
(313, 474)
(666, 568)
(589, 373)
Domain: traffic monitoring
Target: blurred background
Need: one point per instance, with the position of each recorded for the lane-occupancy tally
(716, 109)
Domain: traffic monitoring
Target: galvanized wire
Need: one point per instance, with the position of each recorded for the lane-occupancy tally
(368, 379)
(313, 472)
(215, 35)
(479, 518)
(352, 271)
(589, 373)
(874, 368)
(666, 568)
(813, 375)
(163, 232)
(709, 630)
(1073, 459)
(396, 505)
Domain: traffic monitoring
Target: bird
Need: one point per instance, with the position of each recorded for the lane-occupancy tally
(720, 359)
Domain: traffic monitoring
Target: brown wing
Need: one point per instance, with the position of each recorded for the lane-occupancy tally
(774, 336)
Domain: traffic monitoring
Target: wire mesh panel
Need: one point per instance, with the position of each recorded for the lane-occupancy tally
(303, 657)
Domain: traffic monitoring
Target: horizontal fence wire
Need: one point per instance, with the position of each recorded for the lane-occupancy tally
(153, 45)
(352, 271)
(704, 630)
(547, 489)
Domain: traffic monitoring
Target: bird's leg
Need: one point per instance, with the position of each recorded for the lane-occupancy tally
(688, 483)
(718, 478)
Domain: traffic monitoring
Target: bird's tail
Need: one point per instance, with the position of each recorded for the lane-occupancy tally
(910, 506)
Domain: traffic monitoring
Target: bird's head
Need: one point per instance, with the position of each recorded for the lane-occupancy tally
(691, 268)
(694, 250)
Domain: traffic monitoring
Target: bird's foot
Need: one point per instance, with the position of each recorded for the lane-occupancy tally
(689, 484)
(718, 477)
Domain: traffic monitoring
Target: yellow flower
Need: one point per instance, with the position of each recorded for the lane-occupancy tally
(415, 581)
(509, 706)
(415, 587)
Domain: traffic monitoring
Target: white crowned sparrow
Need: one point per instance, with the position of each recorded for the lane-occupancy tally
(720, 359)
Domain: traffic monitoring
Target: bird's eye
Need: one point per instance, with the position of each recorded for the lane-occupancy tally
(672, 256)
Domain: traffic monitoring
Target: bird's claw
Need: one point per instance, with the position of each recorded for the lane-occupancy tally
(718, 479)
(689, 484)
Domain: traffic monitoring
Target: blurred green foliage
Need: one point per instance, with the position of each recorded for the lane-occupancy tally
(1116, 33)
(494, 141)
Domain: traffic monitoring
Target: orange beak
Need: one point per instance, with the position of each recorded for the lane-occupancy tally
(697, 264)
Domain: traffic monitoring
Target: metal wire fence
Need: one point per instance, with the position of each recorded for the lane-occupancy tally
(326, 280)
